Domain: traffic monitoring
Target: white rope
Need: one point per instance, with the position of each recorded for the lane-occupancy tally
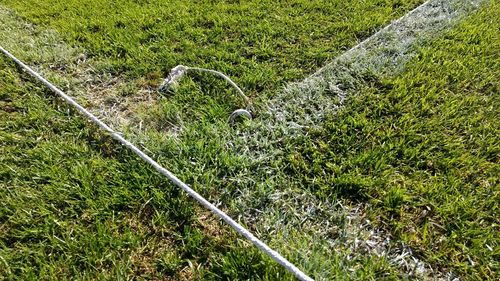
(239, 228)
(177, 72)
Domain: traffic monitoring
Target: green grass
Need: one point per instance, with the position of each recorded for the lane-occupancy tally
(76, 205)
(422, 149)
(260, 44)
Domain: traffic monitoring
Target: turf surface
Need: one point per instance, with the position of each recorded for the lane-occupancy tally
(423, 149)
(105, 227)
(76, 205)
(414, 147)
(261, 43)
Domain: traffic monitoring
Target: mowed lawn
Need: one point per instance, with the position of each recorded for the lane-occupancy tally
(262, 44)
(421, 148)
(74, 204)
(77, 205)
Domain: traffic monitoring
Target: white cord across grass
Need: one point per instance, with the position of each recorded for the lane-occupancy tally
(239, 228)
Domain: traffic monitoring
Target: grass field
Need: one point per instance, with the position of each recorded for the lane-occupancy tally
(419, 148)
(74, 204)
(260, 44)
(423, 149)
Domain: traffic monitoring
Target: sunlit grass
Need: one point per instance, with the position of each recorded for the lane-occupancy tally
(419, 148)
(423, 149)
